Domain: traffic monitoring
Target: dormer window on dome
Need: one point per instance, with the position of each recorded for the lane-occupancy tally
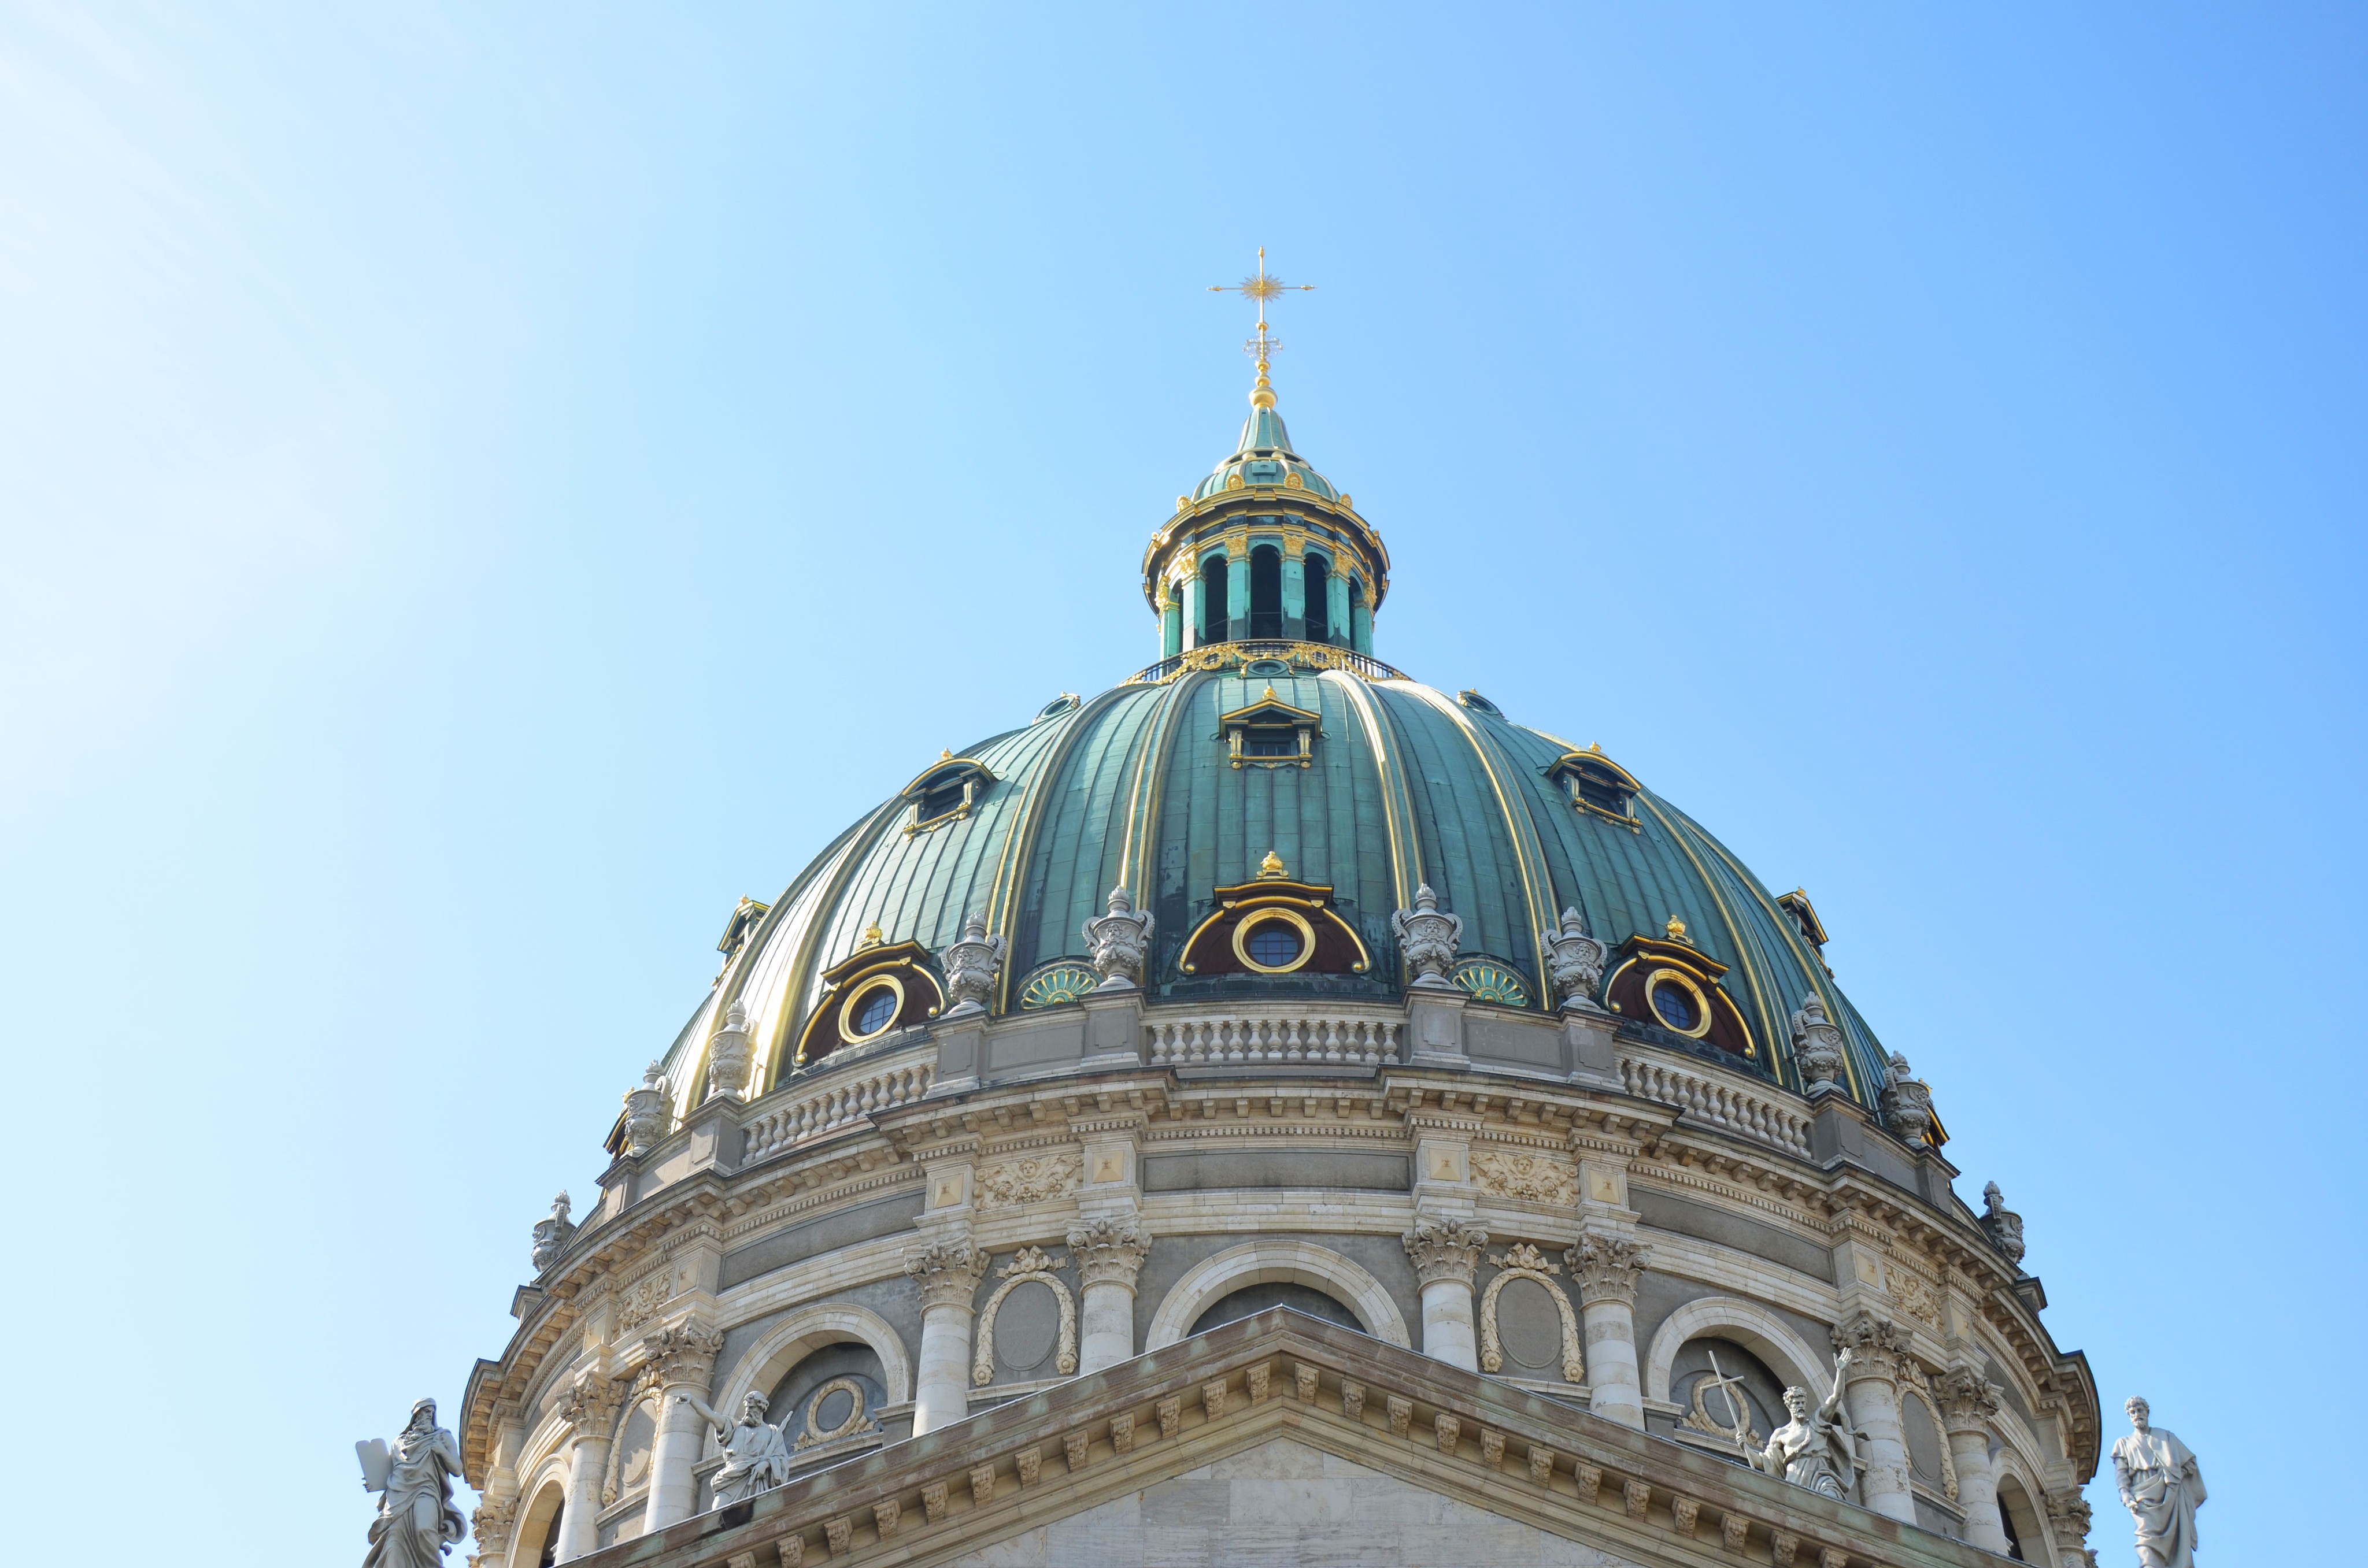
(1274, 926)
(1597, 785)
(1271, 732)
(946, 791)
(1668, 983)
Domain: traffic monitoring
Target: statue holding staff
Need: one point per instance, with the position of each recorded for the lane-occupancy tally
(416, 1523)
(756, 1456)
(1816, 1448)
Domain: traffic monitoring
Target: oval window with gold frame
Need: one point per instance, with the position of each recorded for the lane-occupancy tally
(1260, 938)
(872, 1009)
(1678, 1004)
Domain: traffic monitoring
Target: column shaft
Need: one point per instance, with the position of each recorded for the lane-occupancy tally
(682, 1434)
(1447, 1332)
(1615, 1392)
(1873, 1401)
(1977, 1490)
(942, 1392)
(1237, 596)
(1106, 1334)
(587, 1466)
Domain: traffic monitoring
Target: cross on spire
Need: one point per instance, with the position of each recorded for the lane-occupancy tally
(1258, 288)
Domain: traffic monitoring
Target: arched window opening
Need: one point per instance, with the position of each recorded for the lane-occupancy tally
(1319, 600)
(1213, 601)
(1266, 592)
(549, 1555)
(1252, 1299)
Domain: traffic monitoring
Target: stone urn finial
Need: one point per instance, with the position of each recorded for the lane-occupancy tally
(971, 966)
(2002, 1224)
(1574, 962)
(551, 1234)
(1429, 939)
(647, 1121)
(1119, 942)
(1907, 1105)
(1817, 1044)
(728, 1054)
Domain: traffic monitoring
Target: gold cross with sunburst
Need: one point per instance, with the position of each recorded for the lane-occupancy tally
(1258, 288)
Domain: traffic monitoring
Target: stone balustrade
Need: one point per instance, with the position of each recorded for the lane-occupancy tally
(1273, 1038)
(805, 1111)
(1731, 1103)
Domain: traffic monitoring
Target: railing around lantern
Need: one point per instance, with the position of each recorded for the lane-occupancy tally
(1732, 1103)
(1233, 656)
(1291, 1038)
(809, 1109)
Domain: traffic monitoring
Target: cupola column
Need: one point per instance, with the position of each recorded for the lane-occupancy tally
(1171, 628)
(1968, 1404)
(949, 1273)
(1238, 595)
(1871, 1390)
(1194, 612)
(591, 1414)
(1361, 628)
(1294, 594)
(1336, 607)
(1606, 1268)
(684, 1363)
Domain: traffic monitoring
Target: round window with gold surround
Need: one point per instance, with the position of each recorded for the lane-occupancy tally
(1678, 1004)
(1273, 940)
(871, 1009)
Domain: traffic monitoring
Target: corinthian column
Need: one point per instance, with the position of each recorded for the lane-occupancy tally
(1870, 1384)
(948, 1274)
(1967, 1405)
(684, 1362)
(1446, 1254)
(1606, 1269)
(1109, 1254)
(591, 1413)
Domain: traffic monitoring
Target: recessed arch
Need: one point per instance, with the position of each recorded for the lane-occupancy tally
(538, 1522)
(806, 1330)
(1753, 1326)
(1297, 1263)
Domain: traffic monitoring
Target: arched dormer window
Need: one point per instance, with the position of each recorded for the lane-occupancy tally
(1597, 785)
(1319, 598)
(1265, 591)
(1214, 625)
(947, 792)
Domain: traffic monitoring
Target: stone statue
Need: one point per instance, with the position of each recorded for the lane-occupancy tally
(728, 1054)
(1816, 1448)
(971, 966)
(1817, 1044)
(647, 1121)
(1574, 961)
(416, 1523)
(551, 1234)
(2161, 1487)
(1119, 942)
(756, 1456)
(1428, 940)
(1907, 1105)
(2003, 1224)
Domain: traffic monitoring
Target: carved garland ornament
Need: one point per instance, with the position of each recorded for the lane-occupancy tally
(1528, 1179)
(1525, 1262)
(1031, 1180)
(1028, 1263)
(640, 1301)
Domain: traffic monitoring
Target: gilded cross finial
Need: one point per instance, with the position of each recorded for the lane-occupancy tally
(1259, 287)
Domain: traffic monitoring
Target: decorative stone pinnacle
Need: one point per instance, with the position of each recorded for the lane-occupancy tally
(1428, 939)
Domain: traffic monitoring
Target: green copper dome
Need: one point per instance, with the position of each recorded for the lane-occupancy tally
(1269, 762)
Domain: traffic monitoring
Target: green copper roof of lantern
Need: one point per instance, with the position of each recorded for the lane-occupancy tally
(1263, 456)
(1136, 787)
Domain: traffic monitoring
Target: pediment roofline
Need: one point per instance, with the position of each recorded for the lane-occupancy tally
(1392, 1411)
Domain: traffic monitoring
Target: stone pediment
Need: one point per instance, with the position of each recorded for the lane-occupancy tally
(1279, 1437)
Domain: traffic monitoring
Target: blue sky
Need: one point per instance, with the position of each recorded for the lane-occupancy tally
(482, 488)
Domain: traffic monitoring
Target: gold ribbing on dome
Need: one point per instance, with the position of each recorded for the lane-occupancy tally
(1258, 288)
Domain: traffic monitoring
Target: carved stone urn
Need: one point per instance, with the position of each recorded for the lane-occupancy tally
(647, 1121)
(1119, 942)
(1817, 1044)
(971, 966)
(1907, 1105)
(2002, 1224)
(1428, 939)
(727, 1055)
(1574, 962)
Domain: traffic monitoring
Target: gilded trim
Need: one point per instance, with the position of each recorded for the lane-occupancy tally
(1529, 855)
(1751, 975)
(1397, 801)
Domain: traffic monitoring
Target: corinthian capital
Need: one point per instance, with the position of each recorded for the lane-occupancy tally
(1606, 1268)
(1108, 1252)
(1443, 1249)
(490, 1527)
(685, 1354)
(948, 1271)
(1876, 1347)
(591, 1405)
(1967, 1399)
